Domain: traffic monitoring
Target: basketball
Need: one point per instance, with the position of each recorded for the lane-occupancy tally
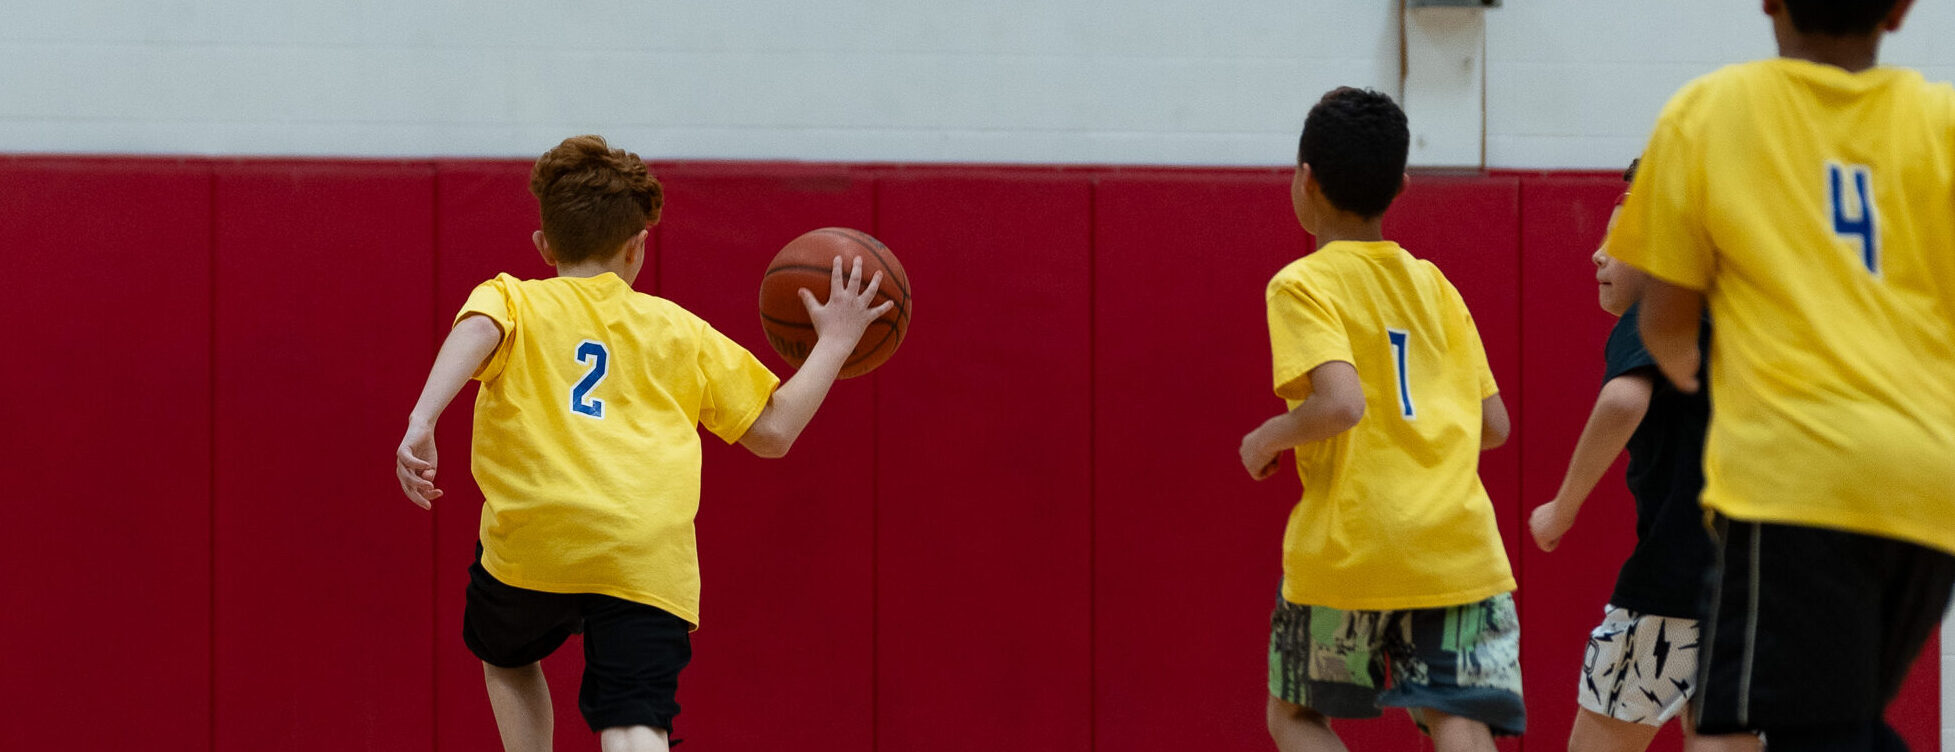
(805, 263)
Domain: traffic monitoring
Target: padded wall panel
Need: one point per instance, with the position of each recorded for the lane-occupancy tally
(484, 218)
(983, 463)
(107, 424)
(322, 569)
(784, 657)
(1187, 547)
(1564, 330)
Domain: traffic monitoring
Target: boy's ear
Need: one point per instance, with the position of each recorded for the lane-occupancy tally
(1894, 16)
(1404, 180)
(543, 247)
(635, 247)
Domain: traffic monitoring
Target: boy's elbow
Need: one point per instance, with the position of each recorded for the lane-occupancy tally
(765, 443)
(1349, 413)
(1493, 437)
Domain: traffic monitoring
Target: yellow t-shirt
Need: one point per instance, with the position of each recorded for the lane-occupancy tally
(1393, 515)
(1832, 370)
(586, 443)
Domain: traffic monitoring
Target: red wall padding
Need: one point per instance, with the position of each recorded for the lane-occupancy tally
(983, 468)
(1028, 531)
(105, 600)
(785, 656)
(324, 284)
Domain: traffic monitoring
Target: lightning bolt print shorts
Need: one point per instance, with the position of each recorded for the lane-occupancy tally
(1640, 668)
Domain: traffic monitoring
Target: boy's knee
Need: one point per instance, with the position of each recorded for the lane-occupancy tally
(1282, 713)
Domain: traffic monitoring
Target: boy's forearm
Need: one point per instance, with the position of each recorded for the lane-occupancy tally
(470, 343)
(1314, 420)
(794, 403)
(1671, 316)
(1618, 410)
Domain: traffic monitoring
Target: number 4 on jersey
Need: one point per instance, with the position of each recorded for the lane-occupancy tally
(1853, 209)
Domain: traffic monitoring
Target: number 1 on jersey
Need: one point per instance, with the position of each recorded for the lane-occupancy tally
(1854, 219)
(592, 352)
(1400, 338)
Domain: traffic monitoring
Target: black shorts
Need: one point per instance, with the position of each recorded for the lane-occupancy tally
(1811, 632)
(633, 653)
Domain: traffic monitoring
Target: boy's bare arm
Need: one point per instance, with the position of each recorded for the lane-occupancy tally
(471, 342)
(1495, 426)
(1670, 320)
(1618, 410)
(1335, 404)
(838, 326)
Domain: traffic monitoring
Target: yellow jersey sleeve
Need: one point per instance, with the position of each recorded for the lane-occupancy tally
(1467, 331)
(492, 299)
(1661, 229)
(736, 386)
(1305, 331)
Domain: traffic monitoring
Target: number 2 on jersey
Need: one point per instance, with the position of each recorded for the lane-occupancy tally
(1400, 339)
(598, 356)
(1854, 219)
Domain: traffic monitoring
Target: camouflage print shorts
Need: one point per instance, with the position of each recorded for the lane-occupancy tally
(1463, 660)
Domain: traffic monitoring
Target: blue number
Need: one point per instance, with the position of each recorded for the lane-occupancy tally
(599, 358)
(1399, 339)
(1855, 224)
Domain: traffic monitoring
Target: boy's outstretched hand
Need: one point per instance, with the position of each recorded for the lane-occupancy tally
(414, 465)
(847, 312)
(1548, 523)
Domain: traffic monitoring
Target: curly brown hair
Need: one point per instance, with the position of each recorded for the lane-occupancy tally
(593, 197)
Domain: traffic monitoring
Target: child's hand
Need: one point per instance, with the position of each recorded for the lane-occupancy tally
(847, 312)
(1260, 462)
(1548, 524)
(414, 465)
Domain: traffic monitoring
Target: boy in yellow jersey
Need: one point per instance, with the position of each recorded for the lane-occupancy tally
(1392, 561)
(587, 451)
(1810, 201)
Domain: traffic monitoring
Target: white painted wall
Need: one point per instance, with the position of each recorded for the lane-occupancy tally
(1165, 81)
(1567, 84)
(1575, 83)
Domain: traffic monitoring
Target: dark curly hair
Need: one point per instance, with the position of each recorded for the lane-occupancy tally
(1355, 141)
(1838, 17)
(593, 197)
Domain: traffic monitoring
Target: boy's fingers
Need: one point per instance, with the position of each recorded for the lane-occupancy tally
(408, 459)
(875, 283)
(835, 285)
(878, 311)
(808, 299)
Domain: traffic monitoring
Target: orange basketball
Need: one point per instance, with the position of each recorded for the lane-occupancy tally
(806, 262)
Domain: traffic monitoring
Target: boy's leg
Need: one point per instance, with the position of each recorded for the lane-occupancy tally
(511, 630)
(1459, 661)
(1323, 663)
(633, 739)
(1453, 733)
(1812, 632)
(1595, 732)
(1300, 729)
(1637, 674)
(520, 698)
(633, 654)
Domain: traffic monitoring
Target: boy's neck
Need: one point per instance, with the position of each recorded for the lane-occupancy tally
(1854, 53)
(592, 268)
(1335, 226)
